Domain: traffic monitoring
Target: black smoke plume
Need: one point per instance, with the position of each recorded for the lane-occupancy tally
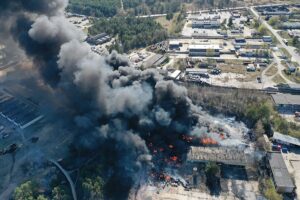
(120, 111)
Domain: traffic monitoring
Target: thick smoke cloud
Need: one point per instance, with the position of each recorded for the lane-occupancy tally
(115, 108)
(53, 7)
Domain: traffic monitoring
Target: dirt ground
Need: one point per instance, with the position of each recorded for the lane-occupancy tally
(237, 189)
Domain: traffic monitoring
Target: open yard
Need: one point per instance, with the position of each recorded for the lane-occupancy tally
(240, 69)
(272, 70)
(173, 25)
(278, 79)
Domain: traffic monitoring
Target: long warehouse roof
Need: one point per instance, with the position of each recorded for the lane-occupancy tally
(279, 170)
(204, 46)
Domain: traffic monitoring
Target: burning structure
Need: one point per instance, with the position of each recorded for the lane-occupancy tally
(135, 119)
(226, 155)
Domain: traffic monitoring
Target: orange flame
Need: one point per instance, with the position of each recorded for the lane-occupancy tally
(208, 141)
(174, 158)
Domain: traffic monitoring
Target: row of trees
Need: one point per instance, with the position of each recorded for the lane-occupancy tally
(146, 7)
(90, 187)
(109, 8)
(96, 8)
(30, 191)
(131, 32)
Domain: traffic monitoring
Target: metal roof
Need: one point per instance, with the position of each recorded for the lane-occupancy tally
(294, 86)
(286, 99)
(174, 42)
(175, 74)
(279, 170)
(204, 46)
(286, 138)
(226, 155)
(207, 22)
(154, 60)
(196, 70)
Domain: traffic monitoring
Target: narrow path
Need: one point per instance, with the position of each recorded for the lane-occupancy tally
(122, 5)
(280, 68)
(67, 176)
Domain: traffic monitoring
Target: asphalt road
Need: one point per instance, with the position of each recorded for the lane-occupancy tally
(295, 56)
(67, 176)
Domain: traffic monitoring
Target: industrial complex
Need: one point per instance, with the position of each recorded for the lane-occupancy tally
(157, 115)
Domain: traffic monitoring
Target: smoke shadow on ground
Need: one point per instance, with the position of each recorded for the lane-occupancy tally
(234, 172)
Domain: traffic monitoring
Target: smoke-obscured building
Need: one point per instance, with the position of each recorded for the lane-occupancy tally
(98, 39)
(20, 113)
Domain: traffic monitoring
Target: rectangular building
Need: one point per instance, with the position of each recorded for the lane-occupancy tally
(267, 38)
(226, 155)
(175, 75)
(174, 44)
(98, 39)
(281, 177)
(286, 103)
(206, 24)
(291, 25)
(204, 50)
(196, 71)
(285, 139)
(18, 112)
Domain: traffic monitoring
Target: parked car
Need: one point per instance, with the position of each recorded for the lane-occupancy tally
(258, 79)
(216, 71)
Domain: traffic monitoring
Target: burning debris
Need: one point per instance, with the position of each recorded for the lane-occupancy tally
(135, 118)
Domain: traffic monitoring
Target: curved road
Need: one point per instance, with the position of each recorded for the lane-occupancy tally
(67, 176)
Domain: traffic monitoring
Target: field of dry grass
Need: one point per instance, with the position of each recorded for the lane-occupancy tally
(271, 71)
(278, 79)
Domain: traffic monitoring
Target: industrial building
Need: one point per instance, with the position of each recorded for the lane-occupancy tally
(267, 38)
(226, 155)
(98, 39)
(206, 24)
(20, 113)
(174, 44)
(294, 33)
(175, 75)
(290, 25)
(286, 103)
(204, 50)
(290, 88)
(285, 139)
(281, 177)
(273, 10)
(195, 71)
(155, 61)
(240, 41)
(257, 53)
(250, 44)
